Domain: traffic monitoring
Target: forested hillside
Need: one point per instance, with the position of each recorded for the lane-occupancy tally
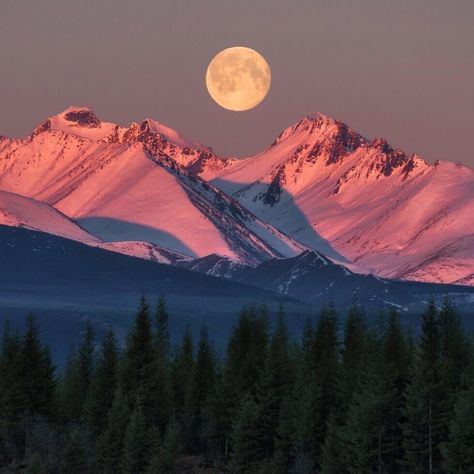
(342, 398)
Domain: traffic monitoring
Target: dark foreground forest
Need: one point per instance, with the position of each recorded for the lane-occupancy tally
(348, 399)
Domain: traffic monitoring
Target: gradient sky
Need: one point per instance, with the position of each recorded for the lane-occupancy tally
(399, 69)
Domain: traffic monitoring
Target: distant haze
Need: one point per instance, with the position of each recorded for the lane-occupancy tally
(400, 69)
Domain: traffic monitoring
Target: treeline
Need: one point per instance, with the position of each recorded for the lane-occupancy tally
(339, 400)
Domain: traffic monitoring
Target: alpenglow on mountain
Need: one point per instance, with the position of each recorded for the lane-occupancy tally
(144, 190)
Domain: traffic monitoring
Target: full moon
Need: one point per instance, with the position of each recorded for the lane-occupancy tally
(238, 78)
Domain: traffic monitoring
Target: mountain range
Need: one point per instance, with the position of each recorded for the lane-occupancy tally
(320, 193)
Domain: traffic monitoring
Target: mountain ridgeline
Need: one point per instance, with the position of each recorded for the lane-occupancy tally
(322, 213)
(146, 191)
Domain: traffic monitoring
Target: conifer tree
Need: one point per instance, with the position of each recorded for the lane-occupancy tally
(77, 378)
(38, 381)
(216, 420)
(143, 373)
(325, 370)
(246, 438)
(454, 355)
(165, 455)
(135, 449)
(202, 385)
(396, 351)
(454, 348)
(353, 360)
(307, 396)
(275, 383)
(246, 351)
(183, 368)
(260, 339)
(70, 389)
(307, 337)
(86, 362)
(12, 396)
(333, 460)
(353, 352)
(396, 357)
(365, 431)
(103, 385)
(110, 444)
(139, 356)
(326, 354)
(425, 401)
(283, 455)
(244, 362)
(158, 403)
(162, 330)
(74, 460)
(458, 451)
(309, 420)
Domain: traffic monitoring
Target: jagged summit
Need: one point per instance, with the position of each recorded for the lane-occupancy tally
(320, 186)
(75, 117)
(315, 137)
(76, 120)
(134, 188)
(332, 189)
(171, 135)
(319, 134)
(82, 116)
(150, 127)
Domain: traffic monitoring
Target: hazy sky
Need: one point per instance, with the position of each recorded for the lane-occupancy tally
(401, 69)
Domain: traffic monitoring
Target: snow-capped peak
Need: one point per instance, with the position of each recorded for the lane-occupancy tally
(77, 120)
(330, 188)
(171, 135)
(168, 146)
(319, 128)
(321, 186)
(81, 116)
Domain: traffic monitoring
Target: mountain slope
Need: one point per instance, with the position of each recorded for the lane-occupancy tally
(147, 191)
(119, 185)
(314, 279)
(64, 283)
(19, 211)
(36, 259)
(361, 200)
